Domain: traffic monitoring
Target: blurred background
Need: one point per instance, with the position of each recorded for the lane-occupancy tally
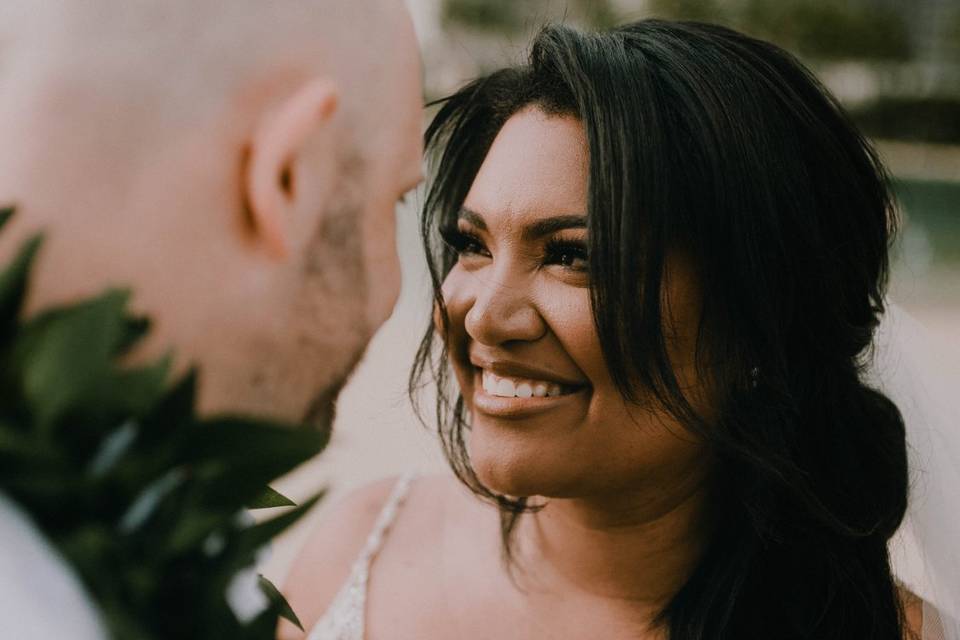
(894, 64)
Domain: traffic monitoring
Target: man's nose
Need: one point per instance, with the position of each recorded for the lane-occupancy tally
(503, 310)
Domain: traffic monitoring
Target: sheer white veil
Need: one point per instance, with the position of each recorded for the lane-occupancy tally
(923, 379)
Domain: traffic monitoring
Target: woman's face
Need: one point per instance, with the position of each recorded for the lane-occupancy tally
(546, 416)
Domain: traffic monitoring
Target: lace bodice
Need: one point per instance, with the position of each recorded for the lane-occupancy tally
(932, 629)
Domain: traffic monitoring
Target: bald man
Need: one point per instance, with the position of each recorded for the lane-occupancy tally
(235, 162)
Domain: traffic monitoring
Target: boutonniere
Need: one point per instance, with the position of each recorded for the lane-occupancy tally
(146, 500)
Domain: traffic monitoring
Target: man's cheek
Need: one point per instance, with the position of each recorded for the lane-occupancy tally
(383, 277)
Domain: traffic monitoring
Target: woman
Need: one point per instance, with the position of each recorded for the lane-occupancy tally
(660, 256)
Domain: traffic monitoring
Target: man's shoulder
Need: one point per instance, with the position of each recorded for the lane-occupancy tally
(40, 596)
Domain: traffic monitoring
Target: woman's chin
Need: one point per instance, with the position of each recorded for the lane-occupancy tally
(510, 471)
(507, 484)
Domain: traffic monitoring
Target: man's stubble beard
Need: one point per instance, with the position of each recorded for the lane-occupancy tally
(334, 275)
(322, 411)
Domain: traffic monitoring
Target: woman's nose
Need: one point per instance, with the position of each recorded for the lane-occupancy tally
(501, 309)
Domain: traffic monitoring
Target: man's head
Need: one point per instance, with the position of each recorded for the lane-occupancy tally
(236, 162)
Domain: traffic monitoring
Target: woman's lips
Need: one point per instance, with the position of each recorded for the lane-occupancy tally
(510, 397)
(515, 370)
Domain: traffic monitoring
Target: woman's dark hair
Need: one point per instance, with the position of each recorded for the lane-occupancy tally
(722, 148)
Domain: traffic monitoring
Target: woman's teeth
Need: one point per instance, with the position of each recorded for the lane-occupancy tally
(520, 387)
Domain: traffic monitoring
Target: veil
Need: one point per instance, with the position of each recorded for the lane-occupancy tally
(923, 379)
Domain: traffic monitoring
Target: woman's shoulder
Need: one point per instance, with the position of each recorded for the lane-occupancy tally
(325, 561)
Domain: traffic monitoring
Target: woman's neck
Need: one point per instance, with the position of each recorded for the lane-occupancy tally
(634, 551)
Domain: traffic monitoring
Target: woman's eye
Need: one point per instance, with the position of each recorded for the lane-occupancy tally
(571, 255)
(464, 243)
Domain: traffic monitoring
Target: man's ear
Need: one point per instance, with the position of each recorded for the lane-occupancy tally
(269, 179)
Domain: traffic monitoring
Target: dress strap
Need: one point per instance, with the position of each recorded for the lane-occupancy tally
(386, 518)
(345, 619)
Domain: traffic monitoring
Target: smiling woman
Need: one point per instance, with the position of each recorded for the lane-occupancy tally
(520, 321)
(659, 257)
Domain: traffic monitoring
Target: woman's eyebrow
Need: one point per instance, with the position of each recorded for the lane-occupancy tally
(473, 218)
(535, 230)
(546, 226)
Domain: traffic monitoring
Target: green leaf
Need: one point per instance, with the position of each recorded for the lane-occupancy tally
(67, 353)
(276, 598)
(236, 458)
(13, 284)
(173, 414)
(135, 329)
(233, 462)
(262, 627)
(181, 398)
(130, 392)
(271, 498)
(5, 214)
(23, 445)
(232, 440)
(147, 502)
(194, 528)
(254, 538)
(112, 449)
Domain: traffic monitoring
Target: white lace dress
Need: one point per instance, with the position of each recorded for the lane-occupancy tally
(345, 618)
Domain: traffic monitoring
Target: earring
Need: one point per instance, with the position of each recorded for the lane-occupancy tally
(754, 377)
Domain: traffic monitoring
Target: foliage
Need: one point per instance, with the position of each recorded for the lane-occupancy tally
(599, 14)
(911, 118)
(831, 29)
(823, 29)
(510, 16)
(952, 34)
(699, 10)
(486, 15)
(144, 498)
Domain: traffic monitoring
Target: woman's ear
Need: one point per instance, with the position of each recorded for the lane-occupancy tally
(269, 180)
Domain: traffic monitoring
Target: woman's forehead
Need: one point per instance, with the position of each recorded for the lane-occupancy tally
(538, 165)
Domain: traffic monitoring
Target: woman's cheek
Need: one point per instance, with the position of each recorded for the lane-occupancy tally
(568, 312)
(458, 300)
